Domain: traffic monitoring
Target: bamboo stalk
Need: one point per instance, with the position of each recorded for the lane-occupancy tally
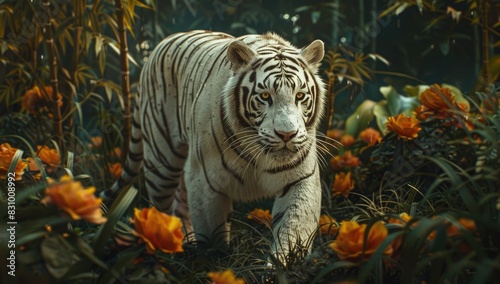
(331, 99)
(373, 43)
(35, 54)
(124, 77)
(486, 44)
(54, 103)
(78, 6)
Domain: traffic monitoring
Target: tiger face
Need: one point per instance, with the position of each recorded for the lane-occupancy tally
(278, 96)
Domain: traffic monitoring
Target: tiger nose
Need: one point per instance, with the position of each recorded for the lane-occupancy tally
(285, 136)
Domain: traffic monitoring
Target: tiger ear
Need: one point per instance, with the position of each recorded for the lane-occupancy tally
(240, 54)
(314, 52)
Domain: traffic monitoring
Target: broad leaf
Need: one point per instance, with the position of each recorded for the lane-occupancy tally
(58, 255)
(360, 119)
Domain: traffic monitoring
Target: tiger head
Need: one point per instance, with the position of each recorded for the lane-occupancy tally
(275, 92)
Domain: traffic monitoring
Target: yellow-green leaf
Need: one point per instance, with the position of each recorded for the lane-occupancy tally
(102, 62)
(360, 119)
(401, 8)
(98, 44)
(420, 5)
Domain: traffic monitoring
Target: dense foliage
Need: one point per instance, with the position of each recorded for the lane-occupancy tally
(410, 188)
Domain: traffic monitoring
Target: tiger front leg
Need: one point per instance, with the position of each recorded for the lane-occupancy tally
(210, 211)
(295, 217)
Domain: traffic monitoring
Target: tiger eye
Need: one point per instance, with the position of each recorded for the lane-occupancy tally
(300, 95)
(265, 96)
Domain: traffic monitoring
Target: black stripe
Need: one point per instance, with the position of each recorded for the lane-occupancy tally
(290, 185)
(224, 163)
(237, 99)
(277, 217)
(202, 161)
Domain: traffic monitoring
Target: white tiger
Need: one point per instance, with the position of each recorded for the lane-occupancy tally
(230, 119)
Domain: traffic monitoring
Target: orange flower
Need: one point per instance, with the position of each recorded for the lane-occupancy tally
(396, 243)
(423, 113)
(260, 216)
(95, 142)
(48, 156)
(158, 230)
(225, 277)
(404, 218)
(467, 224)
(79, 203)
(346, 160)
(34, 101)
(33, 167)
(437, 98)
(327, 225)
(370, 136)
(7, 153)
(452, 230)
(117, 152)
(343, 184)
(404, 127)
(350, 160)
(115, 169)
(334, 134)
(347, 140)
(350, 241)
(491, 103)
(463, 107)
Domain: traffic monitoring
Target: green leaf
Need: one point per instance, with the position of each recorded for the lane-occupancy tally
(302, 9)
(130, 7)
(376, 258)
(415, 91)
(327, 270)
(412, 245)
(98, 44)
(23, 194)
(124, 259)
(102, 62)
(360, 119)
(115, 48)
(393, 103)
(18, 156)
(381, 113)
(58, 255)
(120, 205)
(420, 5)
(444, 46)
(401, 8)
(315, 15)
(459, 96)
(88, 252)
(30, 237)
(386, 90)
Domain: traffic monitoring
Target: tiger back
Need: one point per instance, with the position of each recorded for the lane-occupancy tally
(218, 119)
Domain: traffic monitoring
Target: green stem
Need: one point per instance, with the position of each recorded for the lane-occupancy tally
(54, 104)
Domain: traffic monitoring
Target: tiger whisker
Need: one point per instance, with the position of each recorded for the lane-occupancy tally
(243, 131)
(240, 140)
(242, 152)
(254, 158)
